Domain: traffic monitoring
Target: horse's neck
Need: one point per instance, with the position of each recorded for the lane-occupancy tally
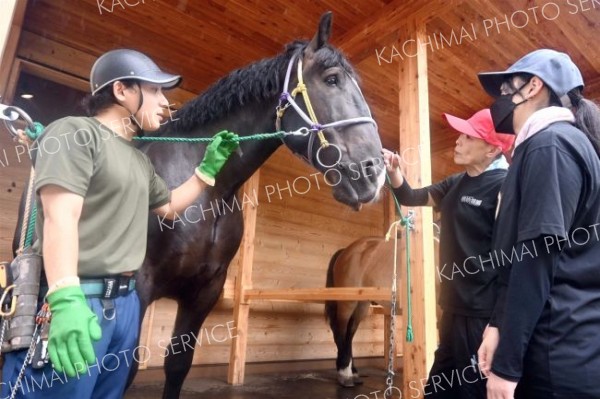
(241, 166)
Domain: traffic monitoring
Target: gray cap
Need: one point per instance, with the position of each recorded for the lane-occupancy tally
(125, 64)
(556, 69)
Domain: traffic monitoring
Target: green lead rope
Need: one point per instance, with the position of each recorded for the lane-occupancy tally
(257, 136)
(407, 223)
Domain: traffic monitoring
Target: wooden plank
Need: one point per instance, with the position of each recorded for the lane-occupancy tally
(361, 41)
(414, 132)
(237, 358)
(11, 21)
(319, 294)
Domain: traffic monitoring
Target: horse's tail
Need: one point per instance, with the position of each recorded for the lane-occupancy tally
(331, 306)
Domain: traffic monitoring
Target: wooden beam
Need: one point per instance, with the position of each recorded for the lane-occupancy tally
(70, 61)
(362, 41)
(414, 132)
(319, 294)
(11, 21)
(241, 309)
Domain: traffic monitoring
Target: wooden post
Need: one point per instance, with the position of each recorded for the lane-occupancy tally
(243, 281)
(11, 20)
(414, 139)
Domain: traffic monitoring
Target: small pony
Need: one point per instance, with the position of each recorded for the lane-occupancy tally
(366, 262)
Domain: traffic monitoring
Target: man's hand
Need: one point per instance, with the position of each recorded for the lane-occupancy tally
(499, 388)
(73, 327)
(217, 153)
(485, 354)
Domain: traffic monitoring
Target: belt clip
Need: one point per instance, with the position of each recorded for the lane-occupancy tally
(124, 282)
(111, 288)
(108, 309)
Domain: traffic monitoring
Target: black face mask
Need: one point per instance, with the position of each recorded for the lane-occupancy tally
(503, 111)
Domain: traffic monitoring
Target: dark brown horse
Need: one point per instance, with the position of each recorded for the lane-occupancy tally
(188, 260)
(366, 262)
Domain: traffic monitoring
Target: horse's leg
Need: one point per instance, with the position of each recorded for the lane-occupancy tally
(345, 310)
(180, 351)
(361, 311)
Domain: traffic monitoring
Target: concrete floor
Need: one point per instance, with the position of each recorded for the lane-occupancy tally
(320, 384)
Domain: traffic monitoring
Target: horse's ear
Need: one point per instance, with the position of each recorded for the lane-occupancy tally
(322, 35)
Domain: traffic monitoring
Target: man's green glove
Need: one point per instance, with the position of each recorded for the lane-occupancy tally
(72, 329)
(217, 152)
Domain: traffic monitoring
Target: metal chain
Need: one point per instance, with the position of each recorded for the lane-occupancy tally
(30, 352)
(3, 330)
(389, 381)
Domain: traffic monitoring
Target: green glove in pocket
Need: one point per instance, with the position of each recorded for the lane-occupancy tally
(217, 153)
(73, 327)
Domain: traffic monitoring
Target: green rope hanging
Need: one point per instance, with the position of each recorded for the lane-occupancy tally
(406, 222)
(31, 225)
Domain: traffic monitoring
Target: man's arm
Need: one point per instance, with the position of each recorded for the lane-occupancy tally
(62, 210)
(182, 197)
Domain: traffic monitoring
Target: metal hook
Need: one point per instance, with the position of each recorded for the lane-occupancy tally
(13, 303)
(318, 155)
(7, 115)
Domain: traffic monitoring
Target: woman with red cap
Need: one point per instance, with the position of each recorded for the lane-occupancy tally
(467, 202)
(548, 347)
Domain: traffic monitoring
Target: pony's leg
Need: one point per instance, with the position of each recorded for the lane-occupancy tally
(345, 311)
(361, 311)
(180, 351)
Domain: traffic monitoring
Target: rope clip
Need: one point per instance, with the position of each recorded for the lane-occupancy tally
(409, 220)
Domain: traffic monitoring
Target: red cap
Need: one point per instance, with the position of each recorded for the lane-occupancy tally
(481, 126)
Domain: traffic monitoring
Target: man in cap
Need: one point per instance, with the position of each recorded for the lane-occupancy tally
(94, 193)
(467, 202)
(547, 320)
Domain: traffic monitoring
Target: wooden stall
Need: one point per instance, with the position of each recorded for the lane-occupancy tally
(417, 59)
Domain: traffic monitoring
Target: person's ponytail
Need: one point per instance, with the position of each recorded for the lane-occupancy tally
(587, 117)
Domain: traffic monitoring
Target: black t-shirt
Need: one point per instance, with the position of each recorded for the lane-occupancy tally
(552, 191)
(466, 275)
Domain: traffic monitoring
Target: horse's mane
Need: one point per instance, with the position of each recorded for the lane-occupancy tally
(259, 81)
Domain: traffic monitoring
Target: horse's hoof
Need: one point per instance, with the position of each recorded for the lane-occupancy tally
(357, 380)
(345, 381)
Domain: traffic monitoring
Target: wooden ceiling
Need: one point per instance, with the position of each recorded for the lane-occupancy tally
(205, 39)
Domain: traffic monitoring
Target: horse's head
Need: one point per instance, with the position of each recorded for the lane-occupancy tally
(343, 142)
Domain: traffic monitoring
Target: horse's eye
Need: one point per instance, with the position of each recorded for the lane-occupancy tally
(331, 80)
